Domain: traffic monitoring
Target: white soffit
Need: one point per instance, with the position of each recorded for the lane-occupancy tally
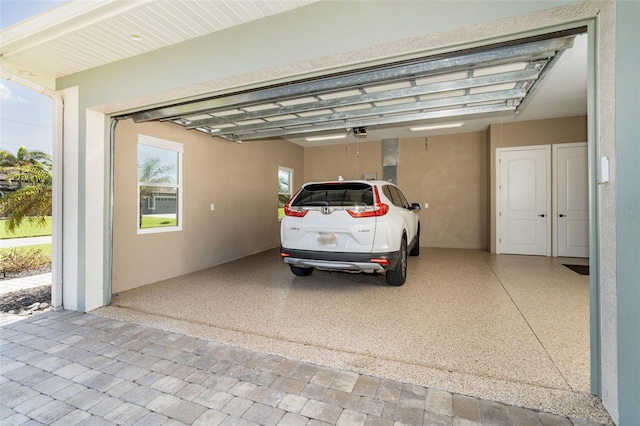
(81, 35)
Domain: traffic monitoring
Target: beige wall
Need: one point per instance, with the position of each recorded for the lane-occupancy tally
(455, 174)
(240, 179)
(351, 161)
(450, 174)
(538, 132)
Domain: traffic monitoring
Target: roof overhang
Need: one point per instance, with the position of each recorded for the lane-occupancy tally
(481, 86)
(80, 35)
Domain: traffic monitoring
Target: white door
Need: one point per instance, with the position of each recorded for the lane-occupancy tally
(524, 202)
(571, 207)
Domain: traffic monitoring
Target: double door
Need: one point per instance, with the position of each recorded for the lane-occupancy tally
(542, 205)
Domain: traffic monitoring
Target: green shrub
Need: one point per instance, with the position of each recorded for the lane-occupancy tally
(16, 260)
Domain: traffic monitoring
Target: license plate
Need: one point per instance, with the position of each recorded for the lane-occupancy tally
(327, 239)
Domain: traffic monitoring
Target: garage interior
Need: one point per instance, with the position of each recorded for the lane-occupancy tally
(512, 329)
(509, 328)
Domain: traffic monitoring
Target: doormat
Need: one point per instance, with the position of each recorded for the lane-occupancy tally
(581, 269)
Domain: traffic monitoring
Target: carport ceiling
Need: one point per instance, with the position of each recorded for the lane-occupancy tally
(470, 83)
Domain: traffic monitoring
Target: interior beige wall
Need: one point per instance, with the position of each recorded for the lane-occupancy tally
(239, 179)
(450, 175)
(448, 172)
(455, 174)
(538, 132)
(351, 161)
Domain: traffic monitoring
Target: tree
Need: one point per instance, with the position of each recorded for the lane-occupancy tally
(32, 199)
(24, 157)
(152, 171)
(7, 158)
(284, 187)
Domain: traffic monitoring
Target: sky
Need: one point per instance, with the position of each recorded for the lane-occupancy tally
(25, 115)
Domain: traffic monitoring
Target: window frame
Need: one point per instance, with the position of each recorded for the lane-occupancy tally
(177, 148)
(290, 193)
(396, 196)
(403, 200)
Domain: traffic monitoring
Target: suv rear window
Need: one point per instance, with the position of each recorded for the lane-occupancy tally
(335, 194)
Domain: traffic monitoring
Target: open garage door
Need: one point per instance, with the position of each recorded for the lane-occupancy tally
(491, 80)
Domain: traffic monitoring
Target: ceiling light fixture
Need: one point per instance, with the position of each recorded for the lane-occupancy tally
(324, 138)
(136, 37)
(207, 130)
(436, 126)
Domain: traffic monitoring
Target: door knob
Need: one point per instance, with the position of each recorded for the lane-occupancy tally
(542, 215)
(563, 215)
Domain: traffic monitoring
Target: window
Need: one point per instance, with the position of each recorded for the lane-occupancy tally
(285, 188)
(159, 185)
(346, 194)
(396, 196)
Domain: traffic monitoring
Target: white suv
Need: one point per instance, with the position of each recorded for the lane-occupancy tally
(353, 225)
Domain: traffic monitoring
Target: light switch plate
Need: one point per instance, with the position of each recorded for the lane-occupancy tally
(603, 170)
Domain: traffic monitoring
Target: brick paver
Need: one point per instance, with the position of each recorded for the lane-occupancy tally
(64, 368)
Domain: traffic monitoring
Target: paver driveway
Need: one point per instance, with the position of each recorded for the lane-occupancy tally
(67, 368)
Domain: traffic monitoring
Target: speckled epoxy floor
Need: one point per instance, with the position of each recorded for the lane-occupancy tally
(514, 329)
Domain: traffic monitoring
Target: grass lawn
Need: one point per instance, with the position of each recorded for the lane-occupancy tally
(154, 222)
(26, 230)
(46, 249)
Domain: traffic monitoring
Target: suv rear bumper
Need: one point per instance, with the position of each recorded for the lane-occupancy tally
(340, 261)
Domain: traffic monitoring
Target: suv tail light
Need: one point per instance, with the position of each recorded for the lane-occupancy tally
(378, 209)
(294, 211)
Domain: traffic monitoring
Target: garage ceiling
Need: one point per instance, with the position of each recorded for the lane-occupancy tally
(464, 84)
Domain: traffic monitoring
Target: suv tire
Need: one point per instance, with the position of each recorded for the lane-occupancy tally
(301, 272)
(398, 275)
(415, 251)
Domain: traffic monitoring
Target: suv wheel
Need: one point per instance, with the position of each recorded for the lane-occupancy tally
(415, 251)
(301, 272)
(398, 275)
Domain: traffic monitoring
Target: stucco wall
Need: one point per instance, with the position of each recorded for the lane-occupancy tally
(606, 199)
(628, 210)
(239, 179)
(455, 174)
(350, 161)
(450, 174)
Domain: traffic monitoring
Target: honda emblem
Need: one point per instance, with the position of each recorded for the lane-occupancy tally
(326, 210)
